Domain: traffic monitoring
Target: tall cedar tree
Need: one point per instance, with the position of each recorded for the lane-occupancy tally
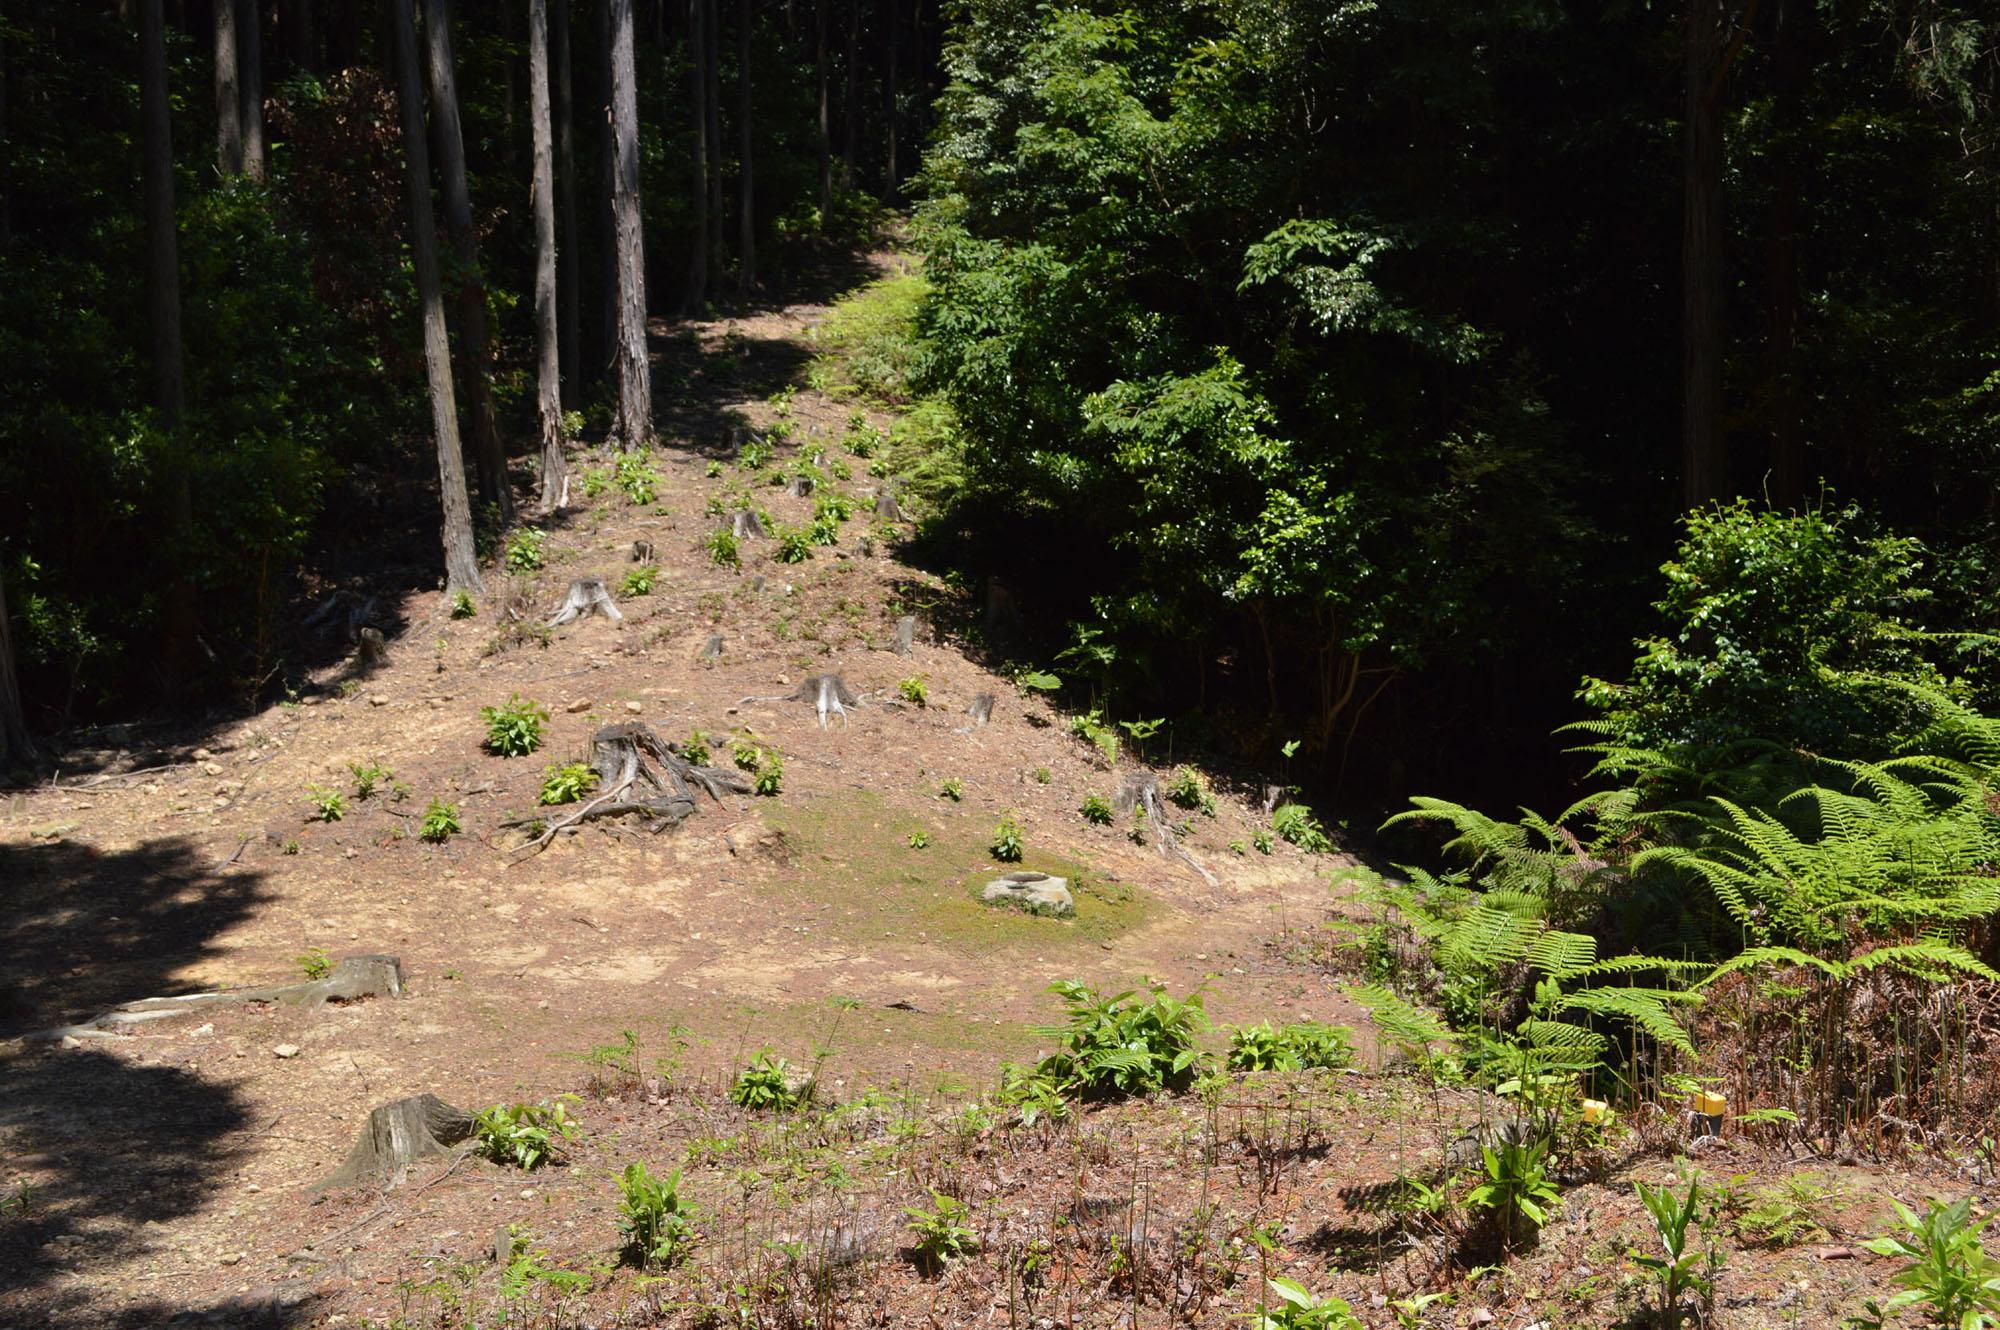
(699, 165)
(548, 366)
(474, 343)
(1704, 468)
(570, 272)
(163, 308)
(250, 49)
(461, 563)
(15, 745)
(825, 114)
(746, 205)
(634, 425)
(228, 93)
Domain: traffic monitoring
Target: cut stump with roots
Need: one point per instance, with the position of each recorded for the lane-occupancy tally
(638, 772)
(828, 693)
(398, 1134)
(981, 709)
(799, 487)
(888, 509)
(746, 525)
(1141, 790)
(587, 596)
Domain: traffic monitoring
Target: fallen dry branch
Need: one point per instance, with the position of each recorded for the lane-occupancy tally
(354, 978)
(638, 772)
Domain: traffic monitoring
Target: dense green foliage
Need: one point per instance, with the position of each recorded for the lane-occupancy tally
(1341, 341)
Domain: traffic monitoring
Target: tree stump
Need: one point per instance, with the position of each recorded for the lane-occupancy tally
(1272, 794)
(981, 709)
(642, 551)
(906, 634)
(400, 1133)
(712, 649)
(370, 649)
(638, 772)
(1003, 616)
(587, 596)
(747, 525)
(829, 695)
(799, 487)
(888, 509)
(1141, 790)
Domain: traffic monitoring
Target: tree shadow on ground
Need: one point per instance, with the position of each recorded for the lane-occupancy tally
(100, 1144)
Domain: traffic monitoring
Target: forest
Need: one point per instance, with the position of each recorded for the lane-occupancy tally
(1319, 421)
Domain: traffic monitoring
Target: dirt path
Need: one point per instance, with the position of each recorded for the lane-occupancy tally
(172, 1168)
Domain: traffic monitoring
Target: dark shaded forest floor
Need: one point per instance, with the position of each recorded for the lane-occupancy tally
(169, 1174)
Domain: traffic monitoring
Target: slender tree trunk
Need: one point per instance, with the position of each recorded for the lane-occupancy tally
(825, 114)
(15, 745)
(566, 255)
(548, 367)
(1704, 467)
(635, 386)
(6, 213)
(711, 31)
(163, 310)
(461, 564)
(889, 103)
(608, 214)
(848, 96)
(1788, 463)
(698, 161)
(228, 93)
(746, 193)
(295, 30)
(469, 286)
(250, 43)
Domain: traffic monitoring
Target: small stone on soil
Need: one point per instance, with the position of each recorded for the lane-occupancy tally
(285, 1051)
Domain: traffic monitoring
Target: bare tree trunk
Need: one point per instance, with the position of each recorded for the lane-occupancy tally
(461, 564)
(469, 286)
(711, 32)
(746, 193)
(228, 93)
(848, 98)
(250, 43)
(570, 276)
(295, 30)
(548, 378)
(1788, 463)
(1703, 466)
(15, 745)
(635, 385)
(163, 309)
(825, 114)
(698, 164)
(889, 105)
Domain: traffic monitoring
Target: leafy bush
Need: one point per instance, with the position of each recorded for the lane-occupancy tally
(951, 788)
(634, 475)
(1516, 1186)
(639, 581)
(1948, 1271)
(1298, 1309)
(1677, 1268)
(329, 805)
(657, 1224)
(523, 1135)
(914, 690)
(515, 729)
(1006, 846)
(463, 606)
(1304, 1046)
(596, 480)
(315, 963)
(943, 1232)
(524, 550)
(794, 545)
(367, 775)
(920, 840)
(1186, 790)
(1296, 823)
(769, 1084)
(1096, 810)
(770, 776)
(566, 783)
(1114, 1046)
(440, 822)
(695, 748)
(724, 550)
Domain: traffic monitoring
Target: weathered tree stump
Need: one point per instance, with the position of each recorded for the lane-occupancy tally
(799, 487)
(1141, 790)
(906, 634)
(981, 709)
(637, 772)
(400, 1133)
(712, 648)
(587, 596)
(1272, 794)
(370, 649)
(1003, 615)
(745, 524)
(888, 509)
(354, 978)
(828, 693)
(642, 551)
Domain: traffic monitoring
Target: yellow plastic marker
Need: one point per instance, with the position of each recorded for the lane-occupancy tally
(1707, 1101)
(1594, 1110)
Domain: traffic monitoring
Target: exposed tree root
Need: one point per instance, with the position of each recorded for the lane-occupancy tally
(638, 772)
(587, 596)
(1141, 789)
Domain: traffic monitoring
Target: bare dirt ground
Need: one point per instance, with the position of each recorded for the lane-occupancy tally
(168, 1174)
